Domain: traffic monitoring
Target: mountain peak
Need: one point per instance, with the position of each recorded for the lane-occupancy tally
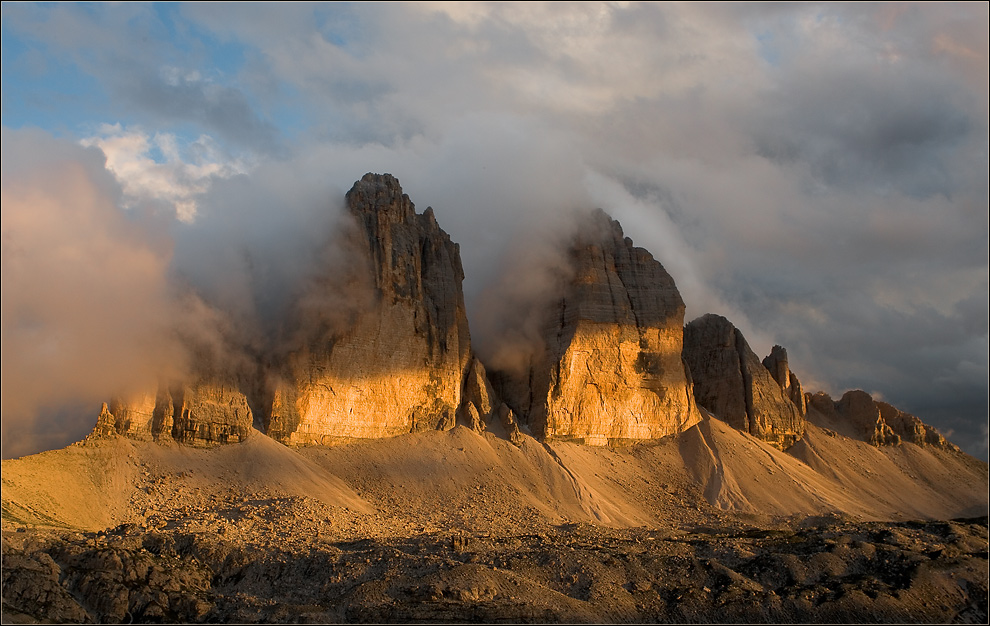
(380, 194)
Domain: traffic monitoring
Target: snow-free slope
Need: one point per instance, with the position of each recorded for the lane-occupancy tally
(462, 479)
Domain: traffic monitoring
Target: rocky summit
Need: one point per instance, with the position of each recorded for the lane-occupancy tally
(399, 366)
(732, 383)
(859, 416)
(611, 366)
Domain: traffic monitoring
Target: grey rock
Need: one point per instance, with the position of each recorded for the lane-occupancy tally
(732, 383)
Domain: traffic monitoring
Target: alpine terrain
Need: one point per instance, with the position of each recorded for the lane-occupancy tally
(635, 466)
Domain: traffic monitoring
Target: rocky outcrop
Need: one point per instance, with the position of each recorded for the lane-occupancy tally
(134, 416)
(911, 428)
(610, 367)
(209, 412)
(859, 416)
(105, 425)
(478, 401)
(398, 365)
(776, 363)
(859, 409)
(732, 383)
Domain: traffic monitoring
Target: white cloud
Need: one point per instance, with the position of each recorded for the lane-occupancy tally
(173, 180)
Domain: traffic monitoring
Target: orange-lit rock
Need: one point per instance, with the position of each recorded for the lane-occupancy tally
(210, 412)
(611, 366)
(201, 414)
(859, 416)
(398, 365)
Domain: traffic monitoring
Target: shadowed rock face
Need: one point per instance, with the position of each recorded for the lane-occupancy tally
(859, 416)
(732, 383)
(398, 365)
(776, 363)
(611, 367)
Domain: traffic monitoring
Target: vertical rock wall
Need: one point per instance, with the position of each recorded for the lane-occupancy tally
(398, 367)
(202, 414)
(776, 363)
(611, 368)
(732, 383)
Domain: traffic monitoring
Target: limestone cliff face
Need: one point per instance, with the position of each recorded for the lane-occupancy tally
(206, 413)
(732, 383)
(134, 416)
(209, 412)
(859, 416)
(611, 368)
(398, 366)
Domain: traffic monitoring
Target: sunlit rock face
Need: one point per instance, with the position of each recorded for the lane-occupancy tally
(209, 412)
(134, 416)
(732, 383)
(478, 400)
(205, 413)
(611, 366)
(398, 364)
(859, 416)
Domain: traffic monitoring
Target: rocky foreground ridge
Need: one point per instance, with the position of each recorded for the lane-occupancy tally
(615, 363)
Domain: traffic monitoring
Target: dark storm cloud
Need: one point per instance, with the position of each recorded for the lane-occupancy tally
(219, 109)
(853, 129)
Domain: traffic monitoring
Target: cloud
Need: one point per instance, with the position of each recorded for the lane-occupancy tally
(171, 183)
(817, 173)
(85, 298)
(186, 97)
